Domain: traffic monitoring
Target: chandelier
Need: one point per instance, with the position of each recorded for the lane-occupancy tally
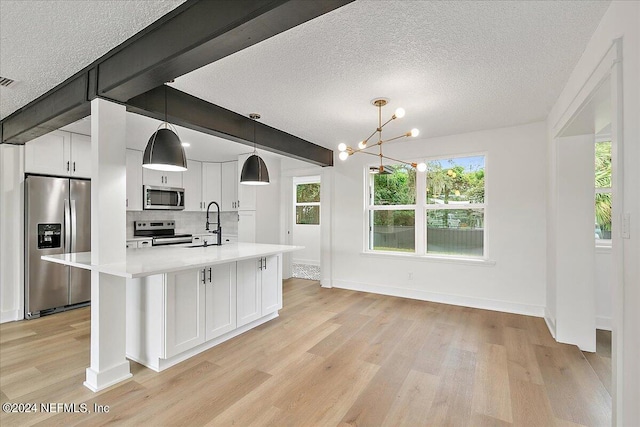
(346, 151)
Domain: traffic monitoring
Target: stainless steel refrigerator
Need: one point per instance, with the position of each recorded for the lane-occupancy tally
(57, 220)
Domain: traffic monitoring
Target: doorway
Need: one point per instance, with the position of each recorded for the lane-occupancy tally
(305, 227)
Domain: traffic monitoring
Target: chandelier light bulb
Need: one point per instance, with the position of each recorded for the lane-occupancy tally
(342, 146)
(415, 132)
(422, 167)
(399, 113)
(343, 155)
(362, 145)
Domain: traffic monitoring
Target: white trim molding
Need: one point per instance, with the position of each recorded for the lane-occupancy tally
(551, 322)
(464, 301)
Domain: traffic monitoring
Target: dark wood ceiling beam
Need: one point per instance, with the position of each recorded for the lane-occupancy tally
(195, 34)
(200, 115)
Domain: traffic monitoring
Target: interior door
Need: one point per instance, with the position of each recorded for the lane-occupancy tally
(80, 279)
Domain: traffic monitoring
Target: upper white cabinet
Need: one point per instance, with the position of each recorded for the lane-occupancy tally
(161, 178)
(211, 188)
(134, 180)
(59, 153)
(247, 226)
(80, 153)
(246, 193)
(192, 180)
(229, 182)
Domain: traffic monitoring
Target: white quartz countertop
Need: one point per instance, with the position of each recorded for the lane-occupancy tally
(150, 261)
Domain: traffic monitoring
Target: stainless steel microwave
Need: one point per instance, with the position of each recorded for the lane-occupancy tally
(165, 198)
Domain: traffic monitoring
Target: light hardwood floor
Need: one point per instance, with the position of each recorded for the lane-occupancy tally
(333, 357)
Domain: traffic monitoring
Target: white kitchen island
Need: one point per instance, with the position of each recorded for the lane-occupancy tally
(181, 301)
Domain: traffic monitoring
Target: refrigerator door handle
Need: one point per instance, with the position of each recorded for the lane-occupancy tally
(67, 226)
(73, 226)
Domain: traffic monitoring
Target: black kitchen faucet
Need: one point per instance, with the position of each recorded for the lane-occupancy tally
(218, 229)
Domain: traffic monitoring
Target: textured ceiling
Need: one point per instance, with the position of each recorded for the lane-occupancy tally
(454, 66)
(42, 43)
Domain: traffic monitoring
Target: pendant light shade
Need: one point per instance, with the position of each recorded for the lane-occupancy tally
(164, 152)
(254, 171)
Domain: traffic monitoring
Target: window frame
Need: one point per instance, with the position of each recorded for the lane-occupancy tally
(602, 243)
(303, 181)
(421, 207)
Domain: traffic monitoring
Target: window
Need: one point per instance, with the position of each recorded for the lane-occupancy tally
(308, 203)
(437, 212)
(603, 192)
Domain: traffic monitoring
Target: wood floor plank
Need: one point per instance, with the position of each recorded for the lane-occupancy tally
(413, 401)
(521, 356)
(491, 394)
(531, 406)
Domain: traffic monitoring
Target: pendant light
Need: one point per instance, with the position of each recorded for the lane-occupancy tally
(254, 170)
(164, 150)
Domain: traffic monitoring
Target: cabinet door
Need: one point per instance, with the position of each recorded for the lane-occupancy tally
(192, 179)
(48, 154)
(271, 285)
(221, 300)
(246, 193)
(247, 226)
(229, 195)
(161, 178)
(249, 292)
(173, 179)
(184, 311)
(211, 175)
(134, 180)
(80, 155)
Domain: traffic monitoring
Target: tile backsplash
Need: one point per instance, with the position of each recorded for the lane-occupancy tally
(186, 222)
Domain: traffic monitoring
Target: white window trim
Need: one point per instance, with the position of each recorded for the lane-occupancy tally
(421, 208)
(305, 180)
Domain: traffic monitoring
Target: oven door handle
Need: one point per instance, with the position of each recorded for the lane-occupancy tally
(179, 198)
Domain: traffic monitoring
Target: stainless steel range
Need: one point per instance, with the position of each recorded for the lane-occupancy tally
(162, 232)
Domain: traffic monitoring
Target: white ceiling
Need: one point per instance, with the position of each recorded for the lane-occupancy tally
(42, 43)
(454, 66)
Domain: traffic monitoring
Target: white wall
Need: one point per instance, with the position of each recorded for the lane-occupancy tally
(515, 220)
(268, 204)
(604, 288)
(574, 239)
(307, 235)
(11, 232)
(622, 20)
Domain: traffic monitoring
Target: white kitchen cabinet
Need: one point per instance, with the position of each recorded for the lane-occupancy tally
(161, 178)
(192, 180)
(185, 311)
(229, 183)
(249, 291)
(247, 226)
(211, 189)
(246, 193)
(271, 282)
(134, 180)
(220, 311)
(59, 153)
(259, 288)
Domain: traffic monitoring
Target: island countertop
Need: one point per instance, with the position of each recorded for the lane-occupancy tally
(159, 260)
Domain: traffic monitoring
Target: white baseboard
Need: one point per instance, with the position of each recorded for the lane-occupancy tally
(551, 323)
(485, 304)
(603, 323)
(306, 262)
(11, 315)
(325, 283)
